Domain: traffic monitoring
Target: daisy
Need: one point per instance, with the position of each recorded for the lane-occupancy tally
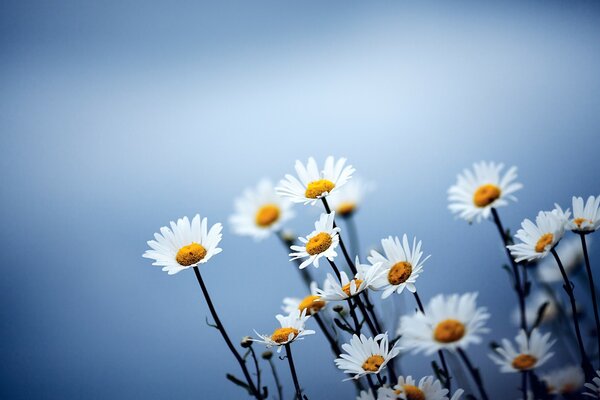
(534, 302)
(477, 192)
(428, 388)
(531, 353)
(586, 218)
(594, 387)
(566, 380)
(402, 265)
(347, 200)
(312, 303)
(184, 245)
(449, 322)
(315, 184)
(365, 277)
(366, 395)
(292, 329)
(539, 238)
(320, 243)
(570, 252)
(366, 355)
(260, 211)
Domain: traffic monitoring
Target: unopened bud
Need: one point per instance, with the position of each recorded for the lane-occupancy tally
(267, 355)
(246, 342)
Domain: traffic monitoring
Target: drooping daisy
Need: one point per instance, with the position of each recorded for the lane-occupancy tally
(402, 265)
(566, 380)
(539, 238)
(260, 211)
(348, 199)
(314, 184)
(312, 303)
(365, 277)
(292, 328)
(571, 254)
(530, 353)
(477, 191)
(184, 245)
(366, 355)
(594, 386)
(534, 302)
(449, 322)
(322, 242)
(586, 218)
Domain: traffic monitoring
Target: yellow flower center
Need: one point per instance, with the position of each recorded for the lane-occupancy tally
(568, 388)
(346, 208)
(373, 363)
(190, 254)
(312, 304)
(524, 361)
(486, 195)
(316, 188)
(267, 215)
(399, 272)
(346, 287)
(318, 243)
(281, 335)
(448, 331)
(411, 392)
(544, 241)
(579, 221)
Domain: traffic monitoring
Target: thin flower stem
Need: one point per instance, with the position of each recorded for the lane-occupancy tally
(474, 373)
(371, 384)
(256, 367)
(592, 287)
(524, 384)
(306, 278)
(365, 314)
(335, 270)
(276, 378)
(352, 233)
(354, 317)
(332, 342)
(221, 328)
(379, 380)
(288, 351)
(568, 286)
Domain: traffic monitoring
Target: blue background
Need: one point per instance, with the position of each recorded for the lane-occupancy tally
(117, 117)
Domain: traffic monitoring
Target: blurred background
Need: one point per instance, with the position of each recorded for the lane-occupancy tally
(117, 117)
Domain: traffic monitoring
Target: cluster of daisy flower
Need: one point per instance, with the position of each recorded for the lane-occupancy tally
(344, 306)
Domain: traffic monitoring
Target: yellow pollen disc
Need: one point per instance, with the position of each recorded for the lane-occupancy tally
(448, 331)
(267, 215)
(281, 335)
(544, 241)
(318, 243)
(413, 393)
(399, 272)
(579, 221)
(346, 208)
(316, 188)
(190, 254)
(312, 304)
(373, 363)
(346, 287)
(524, 361)
(486, 195)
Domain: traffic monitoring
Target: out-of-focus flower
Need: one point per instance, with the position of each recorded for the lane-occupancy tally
(364, 279)
(534, 302)
(314, 184)
(312, 303)
(407, 388)
(402, 265)
(449, 322)
(530, 353)
(184, 245)
(537, 239)
(260, 211)
(594, 386)
(292, 329)
(366, 355)
(566, 380)
(571, 255)
(347, 200)
(366, 395)
(477, 191)
(586, 218)
(320, 243)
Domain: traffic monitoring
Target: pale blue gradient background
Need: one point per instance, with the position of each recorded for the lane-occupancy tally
(117, 117)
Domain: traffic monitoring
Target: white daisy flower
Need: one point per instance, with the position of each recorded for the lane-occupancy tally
(449, 322)
(366, 355)
(586, 218)
(539, 238)
(315, 184)
(348, 199)
(312, 303)
(292, 329)
(366, 395)
(457, 395)
(571, 254)
(534, 302)
(184, 245)
(260, 211)
(322, 242)
(477, 191)
(402, 265)
(428, 388)
(566, 380)
(531, 352)
(594, 387)
(364, 279)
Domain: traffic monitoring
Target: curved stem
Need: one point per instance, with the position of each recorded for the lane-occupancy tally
(371, 384)
(474, 373)
(288, 351)
(332, 342)
(221, 329)
(354, 317)
(365, 314)
(353, 234)
(592, 287)
(276, 378)
(256, 367)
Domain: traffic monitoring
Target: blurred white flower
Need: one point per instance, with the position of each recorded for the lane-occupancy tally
(594, 386)
(586, 218)
(366, 395)
(312, 303)
(407, 388)
(566, 380)
(292, 328)
(537, 239)
(364, 279)
(532, 306)
(348, 199)
(322, 242)
(571, 255)
(530, 353)
(366, 355)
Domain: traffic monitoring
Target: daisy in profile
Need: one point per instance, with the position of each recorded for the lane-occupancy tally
(313, 184)
(571, 254)
(364, 279)
(260, 211)
(348, 199)
(479, 190)
(530, 353)
(184, 244)
(322, 242)
(449, 322)
(292, 329)
(366, 355)
(565, 381)
(312, 303)
(402, 265)
(586, 217)
(532, 307)
(594, 387)
(428, 388)
(537, 239)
